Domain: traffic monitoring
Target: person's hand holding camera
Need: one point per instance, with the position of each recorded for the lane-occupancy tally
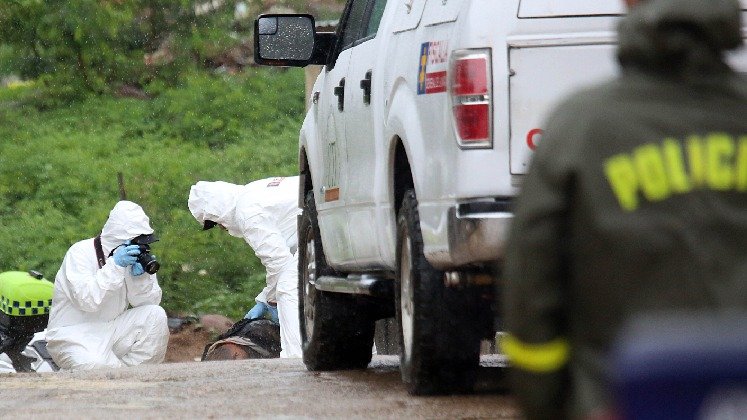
(137, 269)
(126, 255)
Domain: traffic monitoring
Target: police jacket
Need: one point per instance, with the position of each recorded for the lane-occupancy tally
(636, 201)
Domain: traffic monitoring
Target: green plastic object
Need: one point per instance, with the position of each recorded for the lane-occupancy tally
(25, 301)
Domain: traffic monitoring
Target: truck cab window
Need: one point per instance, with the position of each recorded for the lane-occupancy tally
(355, 22)
(376, 12)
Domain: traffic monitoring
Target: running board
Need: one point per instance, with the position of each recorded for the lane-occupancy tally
(357, 284)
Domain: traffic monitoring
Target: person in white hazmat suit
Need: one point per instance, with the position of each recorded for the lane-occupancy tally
(264, 214)
(89, 323)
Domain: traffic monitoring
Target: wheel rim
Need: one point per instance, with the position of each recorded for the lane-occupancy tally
(406, 298)
(309, 289)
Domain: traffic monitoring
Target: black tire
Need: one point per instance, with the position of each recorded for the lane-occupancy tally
(337, 330)
(387, 335)
(439, 335)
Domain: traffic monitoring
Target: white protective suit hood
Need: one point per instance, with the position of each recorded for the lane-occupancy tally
(126, 221)
(216, 201)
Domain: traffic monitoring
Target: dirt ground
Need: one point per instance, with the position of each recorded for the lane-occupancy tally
(188, 341)
(187, 345)
(254, 388)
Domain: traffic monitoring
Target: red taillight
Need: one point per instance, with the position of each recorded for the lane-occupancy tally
(470, 76)
(470, 90)
(473, 122)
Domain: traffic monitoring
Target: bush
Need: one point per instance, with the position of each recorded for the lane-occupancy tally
(94, 46)
(219, 111)
(7, 60)
(58, 176)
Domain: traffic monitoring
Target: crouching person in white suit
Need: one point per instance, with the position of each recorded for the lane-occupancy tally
(90, 325)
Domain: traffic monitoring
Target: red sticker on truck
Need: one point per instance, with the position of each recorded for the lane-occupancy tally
(432, 67)
(533, 137)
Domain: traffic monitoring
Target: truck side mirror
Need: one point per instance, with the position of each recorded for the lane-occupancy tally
(287, 40)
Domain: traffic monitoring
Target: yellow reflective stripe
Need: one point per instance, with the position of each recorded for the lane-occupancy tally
(25, 307)
(538, 358)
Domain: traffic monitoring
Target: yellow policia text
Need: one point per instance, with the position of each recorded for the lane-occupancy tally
(716, 161)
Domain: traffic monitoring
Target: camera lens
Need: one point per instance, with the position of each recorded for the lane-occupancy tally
(152, 266)
(148, 261)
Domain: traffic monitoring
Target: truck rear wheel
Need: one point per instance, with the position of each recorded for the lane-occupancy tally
(440, 349)
(337, 331)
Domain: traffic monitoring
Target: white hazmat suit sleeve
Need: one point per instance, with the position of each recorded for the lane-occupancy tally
(269, 246)
(268, 243)
(87, 286)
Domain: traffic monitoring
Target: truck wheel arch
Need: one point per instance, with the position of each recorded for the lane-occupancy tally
(403, 128)
(401, 173)
(305, 181)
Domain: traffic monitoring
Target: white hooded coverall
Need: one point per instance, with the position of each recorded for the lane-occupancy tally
(264, 214)
(89, 324)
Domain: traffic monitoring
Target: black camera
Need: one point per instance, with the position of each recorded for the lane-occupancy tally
(146, 259)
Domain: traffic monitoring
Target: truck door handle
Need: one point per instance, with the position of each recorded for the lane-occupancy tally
(340, 93)
(366, 86)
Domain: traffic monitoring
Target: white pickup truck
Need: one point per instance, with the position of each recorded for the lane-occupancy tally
(420, 127)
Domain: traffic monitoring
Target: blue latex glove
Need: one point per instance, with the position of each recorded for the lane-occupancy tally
(137, 269)
(273, 312)
(126, 255)
(263, 310)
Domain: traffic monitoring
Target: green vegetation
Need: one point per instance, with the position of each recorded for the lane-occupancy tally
(76, 47)
(6, 60)
(79, 46)
(58, 174)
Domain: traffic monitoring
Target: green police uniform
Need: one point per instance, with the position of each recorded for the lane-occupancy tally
(636, 201)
